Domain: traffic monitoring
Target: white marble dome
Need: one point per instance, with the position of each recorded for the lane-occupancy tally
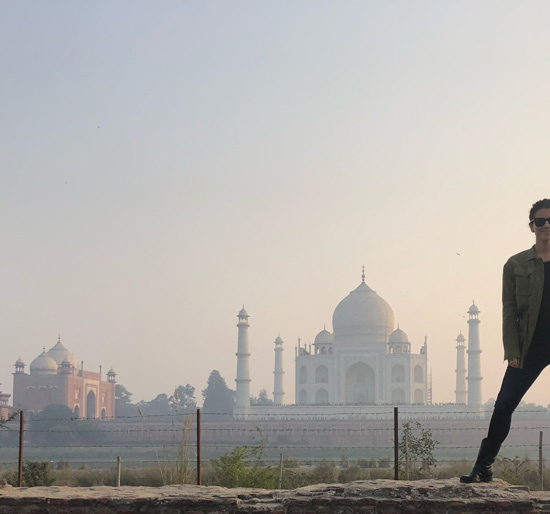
(43, 365)
(323, 337)
(362, 317)
(59, 354)
(398, 336)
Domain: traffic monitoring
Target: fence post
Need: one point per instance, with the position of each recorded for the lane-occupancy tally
(198, 447)
(406, 437)
(396, 442)
(118, 470)
(541, 479)
(280, 484)
(21, 432)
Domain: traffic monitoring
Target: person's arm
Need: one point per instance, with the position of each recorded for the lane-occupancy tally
(510, 336)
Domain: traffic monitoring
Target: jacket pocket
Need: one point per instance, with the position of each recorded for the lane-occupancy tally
(523, 283)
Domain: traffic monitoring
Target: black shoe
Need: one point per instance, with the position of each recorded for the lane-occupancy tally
(483, 468)
(478, 475)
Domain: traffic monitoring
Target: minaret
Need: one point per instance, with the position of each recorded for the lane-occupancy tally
(474, 357)
(278, 392)
(243, 372)
(460, 390)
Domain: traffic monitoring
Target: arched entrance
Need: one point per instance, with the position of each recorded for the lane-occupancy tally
(398, 396)
(91, 405)
(398, 373)
(360, 384)
(321, 375)
(321, 397)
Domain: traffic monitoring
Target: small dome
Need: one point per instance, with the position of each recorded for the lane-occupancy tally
(279, 340)
(19, 362)
(473, 309)
(44, 365)
(460, 338)
(111, 372)
(243, 313)
(398, 336)
(323, 337)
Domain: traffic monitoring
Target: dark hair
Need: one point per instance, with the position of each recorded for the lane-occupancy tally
(541, 204)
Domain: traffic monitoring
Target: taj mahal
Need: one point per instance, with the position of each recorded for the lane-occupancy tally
(361, 368)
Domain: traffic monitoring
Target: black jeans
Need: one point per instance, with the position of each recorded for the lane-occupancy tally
(515, 384)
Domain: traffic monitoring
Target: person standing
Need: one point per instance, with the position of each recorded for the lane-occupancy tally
(525, 333)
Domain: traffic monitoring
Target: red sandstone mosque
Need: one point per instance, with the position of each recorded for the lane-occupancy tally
(56, 378)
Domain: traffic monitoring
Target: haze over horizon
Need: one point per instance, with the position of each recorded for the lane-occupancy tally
(165, 163)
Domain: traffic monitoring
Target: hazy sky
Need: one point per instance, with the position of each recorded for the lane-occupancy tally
(164, 163)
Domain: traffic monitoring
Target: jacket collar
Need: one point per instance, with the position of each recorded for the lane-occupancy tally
(531, 254)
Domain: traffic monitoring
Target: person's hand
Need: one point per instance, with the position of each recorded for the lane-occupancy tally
(514, 363)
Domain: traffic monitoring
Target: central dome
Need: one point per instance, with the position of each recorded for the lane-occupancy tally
(362, 317)
(59, 353)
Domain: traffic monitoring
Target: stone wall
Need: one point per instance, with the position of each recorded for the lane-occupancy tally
(363, 497)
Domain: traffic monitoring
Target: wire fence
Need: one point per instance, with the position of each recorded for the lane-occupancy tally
(145, 440)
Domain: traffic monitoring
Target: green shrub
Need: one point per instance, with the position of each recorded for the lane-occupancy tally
(35, 474)
(235, 470)
(324, 473)
(353, 473)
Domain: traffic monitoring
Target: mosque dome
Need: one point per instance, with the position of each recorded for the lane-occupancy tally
(323, 337)
(460, 338)
(243, 313)
(362, 317)
(279, 340)
(59, 354)
(19, 362)
(398, 336)
(43, 365)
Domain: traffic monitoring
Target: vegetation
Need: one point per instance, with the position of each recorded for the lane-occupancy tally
(244, 466)
(218, 398)
(263, 399)
(182, 401)
(123, 402)
(416, 451)
(34, 474)
(56, 425)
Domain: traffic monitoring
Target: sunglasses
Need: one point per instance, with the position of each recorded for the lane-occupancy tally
(539, 222)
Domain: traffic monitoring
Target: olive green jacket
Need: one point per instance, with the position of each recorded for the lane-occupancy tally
(522, 285)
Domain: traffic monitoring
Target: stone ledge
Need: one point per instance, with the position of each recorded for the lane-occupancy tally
(362, 497)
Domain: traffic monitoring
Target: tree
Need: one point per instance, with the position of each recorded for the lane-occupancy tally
(262, 399)
(158, 406)
(123, 402)
(416, 451)
(57, 424)
(218, 398)
(122, 394)
(183, 399)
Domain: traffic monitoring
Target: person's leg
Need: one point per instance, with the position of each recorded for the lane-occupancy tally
(515, 384)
